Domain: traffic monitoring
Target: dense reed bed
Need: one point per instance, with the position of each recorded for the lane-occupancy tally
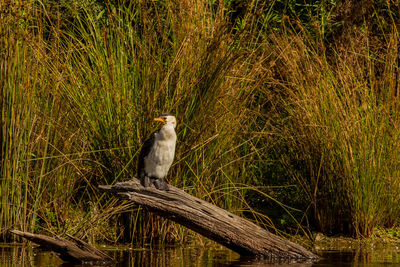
(272, 111)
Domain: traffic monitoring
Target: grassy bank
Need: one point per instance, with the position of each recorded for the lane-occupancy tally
(272, 110)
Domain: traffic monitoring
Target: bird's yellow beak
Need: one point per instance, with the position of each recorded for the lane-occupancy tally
(160, 120)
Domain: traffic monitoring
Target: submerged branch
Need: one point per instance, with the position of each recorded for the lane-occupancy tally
(76, 251)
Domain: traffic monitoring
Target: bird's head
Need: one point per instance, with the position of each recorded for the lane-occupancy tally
(167, 119)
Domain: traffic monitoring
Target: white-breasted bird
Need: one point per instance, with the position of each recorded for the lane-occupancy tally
(157, 153)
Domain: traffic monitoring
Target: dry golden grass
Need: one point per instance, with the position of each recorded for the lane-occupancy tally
(255, 107)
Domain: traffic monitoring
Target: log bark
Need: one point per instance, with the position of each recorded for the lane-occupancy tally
(232, 231)
(76, 251)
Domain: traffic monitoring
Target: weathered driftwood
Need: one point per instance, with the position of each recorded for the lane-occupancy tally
(77, 251)
(230, 230)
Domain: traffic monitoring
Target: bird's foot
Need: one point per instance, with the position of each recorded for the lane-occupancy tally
(161, 184)
(146, 181)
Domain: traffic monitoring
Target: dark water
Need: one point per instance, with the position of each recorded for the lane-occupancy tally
(18, 255)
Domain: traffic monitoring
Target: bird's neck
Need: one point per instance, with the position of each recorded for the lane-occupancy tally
(167, 132)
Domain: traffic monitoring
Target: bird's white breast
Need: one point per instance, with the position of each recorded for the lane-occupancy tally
(161, 156)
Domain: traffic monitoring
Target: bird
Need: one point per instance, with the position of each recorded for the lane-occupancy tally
(157, 153)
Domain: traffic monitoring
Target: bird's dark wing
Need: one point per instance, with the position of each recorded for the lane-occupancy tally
(144, 152)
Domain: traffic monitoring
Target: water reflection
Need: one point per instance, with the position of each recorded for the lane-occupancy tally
(177, 256)
(18, 255)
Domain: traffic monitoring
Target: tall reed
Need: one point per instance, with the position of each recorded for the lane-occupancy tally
(121, 76)
(40, 158)
(96, 78)
(341, 130)
(256, 106)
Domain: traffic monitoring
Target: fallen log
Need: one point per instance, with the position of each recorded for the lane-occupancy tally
(232, 231)
(76, 251)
